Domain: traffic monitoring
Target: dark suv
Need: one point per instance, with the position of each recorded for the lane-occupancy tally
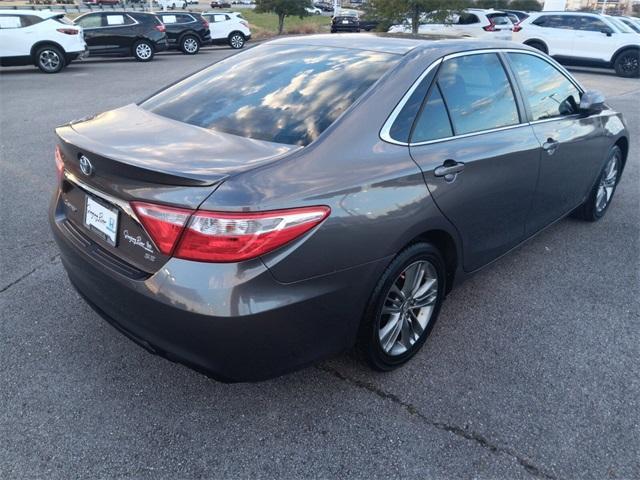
(186, 31)
(345, 23)
(136, 34)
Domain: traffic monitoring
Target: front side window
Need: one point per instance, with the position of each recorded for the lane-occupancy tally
(279, 93)
(591, 24)
(477, 93)
(90, 21)
(548, 92)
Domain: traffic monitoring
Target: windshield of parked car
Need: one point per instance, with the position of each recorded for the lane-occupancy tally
(279, 93)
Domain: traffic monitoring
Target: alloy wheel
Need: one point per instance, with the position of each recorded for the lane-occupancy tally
(408, 307)
(607, 183)
(49, 60)
(237, 41)
(190, 45)
(630, 63)
(143, 51)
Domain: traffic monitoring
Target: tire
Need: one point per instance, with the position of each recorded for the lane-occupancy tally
(538, 46)
(598, 201)
(376, 342)
(190, 45)
(236, 40)
(50, 59)
(627, 64)
(143, 51)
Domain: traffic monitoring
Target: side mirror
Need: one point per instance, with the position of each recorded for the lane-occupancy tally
(592, 101)
(607, 31)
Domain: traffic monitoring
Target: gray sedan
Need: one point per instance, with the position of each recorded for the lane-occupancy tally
(306, 196)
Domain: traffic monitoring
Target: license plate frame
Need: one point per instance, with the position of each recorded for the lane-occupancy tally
(102, 219)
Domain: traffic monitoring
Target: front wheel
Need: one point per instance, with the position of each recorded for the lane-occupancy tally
(627, 64)
(143, 51)
(596, 205)
(236, 40)
(403, 307)
(50, 59)
(190, 45)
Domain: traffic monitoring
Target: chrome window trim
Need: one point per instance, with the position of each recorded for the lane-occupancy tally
(386, 128)
(123, 205)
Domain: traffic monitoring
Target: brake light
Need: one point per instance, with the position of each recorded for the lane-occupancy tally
(517, 27)
(491, 27)
(205, 23)
(68, 31)
(161, 28)
(59, 163)
(222, 236)
(246, 24)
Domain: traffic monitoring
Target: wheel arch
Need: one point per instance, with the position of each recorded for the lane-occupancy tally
(623, 144)
(447, 246)
(191, 33)
(621, 50)
(236, 31)
(43, 43)
(529, 41)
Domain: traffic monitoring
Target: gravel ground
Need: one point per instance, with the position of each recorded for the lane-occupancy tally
(532, 370)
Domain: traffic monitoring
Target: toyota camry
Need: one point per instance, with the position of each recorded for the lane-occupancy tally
(311, 195)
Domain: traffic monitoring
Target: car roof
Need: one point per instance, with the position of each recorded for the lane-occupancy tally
(398, 44)
(37, 13)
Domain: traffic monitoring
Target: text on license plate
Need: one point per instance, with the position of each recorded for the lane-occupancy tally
(102, 220)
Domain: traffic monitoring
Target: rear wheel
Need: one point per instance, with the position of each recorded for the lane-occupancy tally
(403, 307)
(190, 45)
(50, 59)
(627, 64)
(538, 46)
(236, 40)
(143, 51)
(600, 197)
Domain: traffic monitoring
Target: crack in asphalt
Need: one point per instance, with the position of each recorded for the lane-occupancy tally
(475, 437)
(29, 273)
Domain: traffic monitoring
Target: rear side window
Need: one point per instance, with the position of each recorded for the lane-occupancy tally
(90, 21)
(115, 20)
(548, 92)
(555, 21)
(467, 19)
(279, 93)
(591, 24)
(434, 121)
(477, 93)
(28, 20)
(10, 21)
(177, 18)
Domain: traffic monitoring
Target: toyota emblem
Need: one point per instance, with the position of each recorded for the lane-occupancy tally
(85, 165)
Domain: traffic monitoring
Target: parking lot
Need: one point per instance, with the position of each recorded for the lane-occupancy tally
(532, 371)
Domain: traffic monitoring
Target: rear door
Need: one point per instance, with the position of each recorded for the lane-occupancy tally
(116, 32)
(557, 32)
(91, 25)
(219, 26)
(14, 41)
(572, 144)
(594, 39)
(479, 159)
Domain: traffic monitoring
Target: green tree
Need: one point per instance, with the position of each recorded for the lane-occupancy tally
(526, 5)
(400, 10)
(283, 8)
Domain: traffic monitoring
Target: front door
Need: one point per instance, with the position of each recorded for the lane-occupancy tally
(571, 144)
(479, 160)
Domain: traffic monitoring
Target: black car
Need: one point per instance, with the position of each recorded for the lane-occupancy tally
(186, 31)
(135, 34)
(220, 4)
(345, 23)
(368, 25)
(324, 6)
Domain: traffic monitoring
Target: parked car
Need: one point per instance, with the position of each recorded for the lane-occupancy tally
(632, 22)
(41, 38)
(516, 16)
(368, 24)
(298, 198)
(345, 23)
(102, 2)
(477, 23)
(588, 39)
(228, 27)
(313, 11)
(324, 6)
(131, 34)
(186, 31)
(220, 4)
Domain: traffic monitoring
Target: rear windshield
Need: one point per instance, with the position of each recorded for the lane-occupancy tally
(283, 94)
(499, 18)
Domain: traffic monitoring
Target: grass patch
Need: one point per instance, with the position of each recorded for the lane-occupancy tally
(265, 25)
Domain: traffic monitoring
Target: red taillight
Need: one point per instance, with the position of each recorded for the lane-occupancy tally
(246, 24)
(205, 23)
(59, 163)
(491, 27)
(517, 27)
(68, 31)
(161, 28)
(222, 236)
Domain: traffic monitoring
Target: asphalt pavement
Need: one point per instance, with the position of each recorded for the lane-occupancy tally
(533, 370)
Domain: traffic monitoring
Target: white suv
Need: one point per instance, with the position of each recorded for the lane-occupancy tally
(228, 27)
(39, 37)
(585, 39)
(473, 22)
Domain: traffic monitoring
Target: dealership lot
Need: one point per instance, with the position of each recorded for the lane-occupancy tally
(532, 370)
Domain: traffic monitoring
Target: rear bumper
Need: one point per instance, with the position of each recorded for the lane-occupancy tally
(161, 45)
(233, 322)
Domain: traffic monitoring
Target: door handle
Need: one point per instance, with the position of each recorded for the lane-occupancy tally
(449, 169)
(551, 146)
